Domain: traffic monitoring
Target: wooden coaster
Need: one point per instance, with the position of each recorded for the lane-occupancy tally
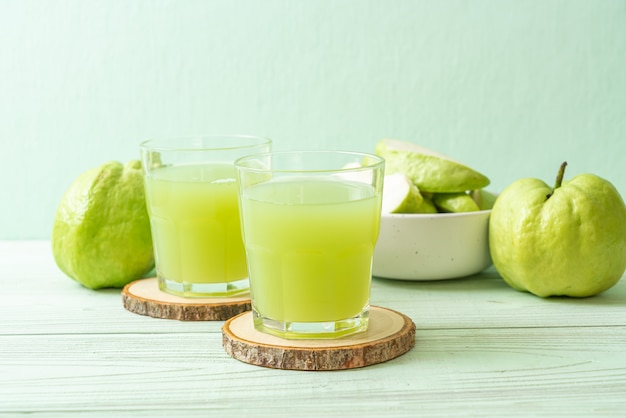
(144, 297)
(390, 335)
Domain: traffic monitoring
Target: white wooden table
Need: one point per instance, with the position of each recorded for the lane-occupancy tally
(482, 349)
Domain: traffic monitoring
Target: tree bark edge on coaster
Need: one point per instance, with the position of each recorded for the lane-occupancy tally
(144, 297)
(390, 335)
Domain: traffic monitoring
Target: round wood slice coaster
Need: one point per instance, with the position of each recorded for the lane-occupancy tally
(390, 335)
(144, 297)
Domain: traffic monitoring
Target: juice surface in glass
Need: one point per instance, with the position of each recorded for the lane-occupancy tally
(310, 243)
(195, 221)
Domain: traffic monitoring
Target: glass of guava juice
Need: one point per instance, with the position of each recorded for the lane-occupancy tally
(192, 200)
(310, 222)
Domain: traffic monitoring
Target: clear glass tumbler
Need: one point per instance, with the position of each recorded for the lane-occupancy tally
(192, 200)
(310, 223)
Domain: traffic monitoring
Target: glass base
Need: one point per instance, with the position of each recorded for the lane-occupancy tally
(204, 290)
(312, 330)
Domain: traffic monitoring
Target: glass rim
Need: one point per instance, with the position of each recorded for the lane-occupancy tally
(185, 143)
(376, 161)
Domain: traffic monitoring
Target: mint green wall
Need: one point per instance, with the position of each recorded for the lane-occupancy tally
(512, 88)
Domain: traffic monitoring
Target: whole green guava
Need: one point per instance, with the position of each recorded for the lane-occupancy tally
(569, 240)
(101, 235)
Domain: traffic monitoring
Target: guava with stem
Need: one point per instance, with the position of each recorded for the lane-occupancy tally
(566, 240)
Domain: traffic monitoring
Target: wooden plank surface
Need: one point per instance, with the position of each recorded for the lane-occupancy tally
(482, 349)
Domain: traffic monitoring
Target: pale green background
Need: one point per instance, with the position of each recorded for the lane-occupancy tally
(512, 88)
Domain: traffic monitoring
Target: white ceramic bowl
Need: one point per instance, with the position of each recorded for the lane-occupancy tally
(432, 246)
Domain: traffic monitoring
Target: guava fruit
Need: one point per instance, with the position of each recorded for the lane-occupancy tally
(427, 205)
(101, 235)
(455, 202)
(484, 198)
(400, 195)
(569, 240)
(430, 171)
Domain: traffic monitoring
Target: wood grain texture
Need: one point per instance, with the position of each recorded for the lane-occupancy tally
(390, 335)
(143, 297)
(482, 350)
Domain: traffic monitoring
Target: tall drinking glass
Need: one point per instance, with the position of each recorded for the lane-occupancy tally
(310, 223)
(192, 200)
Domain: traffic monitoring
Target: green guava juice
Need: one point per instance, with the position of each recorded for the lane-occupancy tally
(196, 228)
(309, 244)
